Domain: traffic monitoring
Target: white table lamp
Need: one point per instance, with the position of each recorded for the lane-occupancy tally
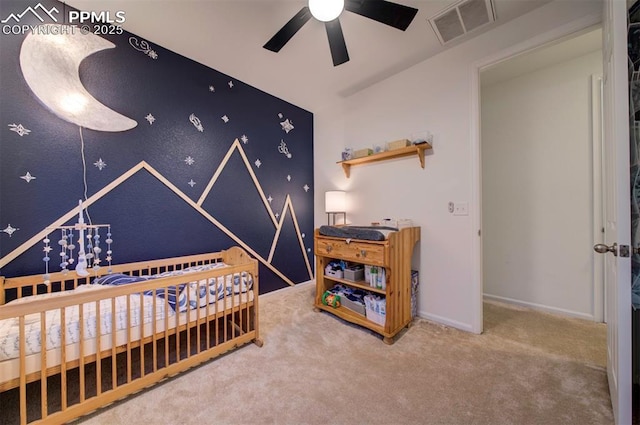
(335, 202)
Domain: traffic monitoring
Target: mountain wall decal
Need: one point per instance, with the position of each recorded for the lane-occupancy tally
(205, 208)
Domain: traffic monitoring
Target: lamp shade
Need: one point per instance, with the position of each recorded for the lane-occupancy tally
(335, 201)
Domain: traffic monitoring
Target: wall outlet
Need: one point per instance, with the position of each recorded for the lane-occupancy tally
(461, 208)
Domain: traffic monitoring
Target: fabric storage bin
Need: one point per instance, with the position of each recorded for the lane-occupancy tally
(414, 293)
(355, 273)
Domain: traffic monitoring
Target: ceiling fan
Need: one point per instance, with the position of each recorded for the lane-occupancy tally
(386, 12)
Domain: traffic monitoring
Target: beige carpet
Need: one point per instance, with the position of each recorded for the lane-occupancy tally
(527, 368)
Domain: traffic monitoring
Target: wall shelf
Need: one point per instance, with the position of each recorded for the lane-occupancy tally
(382, 156)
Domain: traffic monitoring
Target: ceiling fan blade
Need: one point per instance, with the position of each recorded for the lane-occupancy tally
(396, 15)
(337, 44)
(281, 38)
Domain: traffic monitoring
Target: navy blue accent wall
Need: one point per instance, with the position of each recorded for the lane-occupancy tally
(264, 143)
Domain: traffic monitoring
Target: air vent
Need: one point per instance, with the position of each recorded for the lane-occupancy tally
(462, 18)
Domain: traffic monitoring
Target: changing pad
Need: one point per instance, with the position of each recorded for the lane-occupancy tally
(369, 233)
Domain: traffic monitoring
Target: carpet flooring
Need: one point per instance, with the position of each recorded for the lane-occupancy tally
(528, 367)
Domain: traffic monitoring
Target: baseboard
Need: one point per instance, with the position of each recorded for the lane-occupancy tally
(446, 321)
(288, 288)
(549, 309)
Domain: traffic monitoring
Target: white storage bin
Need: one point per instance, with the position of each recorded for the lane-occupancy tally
(375, 309)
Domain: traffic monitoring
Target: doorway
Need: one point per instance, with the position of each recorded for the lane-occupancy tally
(541, 182)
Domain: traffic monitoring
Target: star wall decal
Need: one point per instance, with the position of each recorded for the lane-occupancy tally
(191, 183)
(306, 187)
(225, 118)
(287, 125)
(269, 199)
(258, 163)
(9, 230)
(289, 177)
(28, 177)
(212, 89)
(20, 129)
(244, 139)
(230, 84)
(150, 118)
(100, 164)
(189, 160)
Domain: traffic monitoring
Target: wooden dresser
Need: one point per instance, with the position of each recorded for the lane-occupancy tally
(394, 254)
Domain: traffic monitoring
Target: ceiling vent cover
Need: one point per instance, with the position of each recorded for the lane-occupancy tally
(462, 18)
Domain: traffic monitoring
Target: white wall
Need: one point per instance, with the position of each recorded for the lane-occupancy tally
(537, 188)
(434, 95)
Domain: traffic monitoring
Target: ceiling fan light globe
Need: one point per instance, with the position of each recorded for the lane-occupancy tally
(326, 10)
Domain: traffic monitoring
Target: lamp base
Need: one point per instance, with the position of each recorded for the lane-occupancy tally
(331, 216)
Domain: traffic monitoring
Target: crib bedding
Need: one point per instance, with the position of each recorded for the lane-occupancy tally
(189, 296)
(9, 368)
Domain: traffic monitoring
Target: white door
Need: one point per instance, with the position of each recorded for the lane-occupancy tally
(617, 208)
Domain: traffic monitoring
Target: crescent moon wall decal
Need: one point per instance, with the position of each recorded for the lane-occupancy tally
(50, 61)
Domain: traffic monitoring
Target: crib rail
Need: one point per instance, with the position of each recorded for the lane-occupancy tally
(64, 281)
(61, 383)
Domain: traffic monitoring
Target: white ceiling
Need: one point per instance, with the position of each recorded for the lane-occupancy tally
(228, 35)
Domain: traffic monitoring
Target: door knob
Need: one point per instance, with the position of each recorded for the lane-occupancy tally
(603, 249)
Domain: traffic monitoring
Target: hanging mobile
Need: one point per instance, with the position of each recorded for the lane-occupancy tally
(88, 240)
(47, 249)
(81, 266)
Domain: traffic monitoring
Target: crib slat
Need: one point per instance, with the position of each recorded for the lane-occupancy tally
(154, 338)
(128, 322)
(233, 301)
(141, 334)
(43, 364)
(242, 308)
(215, 324)
(224, 320)
(81, 348)
(178, 355)
(166, 327)
(188, 313)
(98, 349)
(23, 372)
(63, 358)
(114, 365)
(207, 325)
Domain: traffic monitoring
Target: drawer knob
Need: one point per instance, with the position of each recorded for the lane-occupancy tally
(329, 248)
(363, 253)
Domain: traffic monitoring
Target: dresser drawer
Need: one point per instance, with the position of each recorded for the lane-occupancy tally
(360, 252)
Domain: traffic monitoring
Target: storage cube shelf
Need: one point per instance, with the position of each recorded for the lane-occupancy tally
(394, 254)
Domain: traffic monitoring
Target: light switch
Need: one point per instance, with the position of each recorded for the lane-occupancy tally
(461, 208)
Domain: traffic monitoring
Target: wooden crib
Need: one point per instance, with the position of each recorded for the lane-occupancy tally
(104, 342)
